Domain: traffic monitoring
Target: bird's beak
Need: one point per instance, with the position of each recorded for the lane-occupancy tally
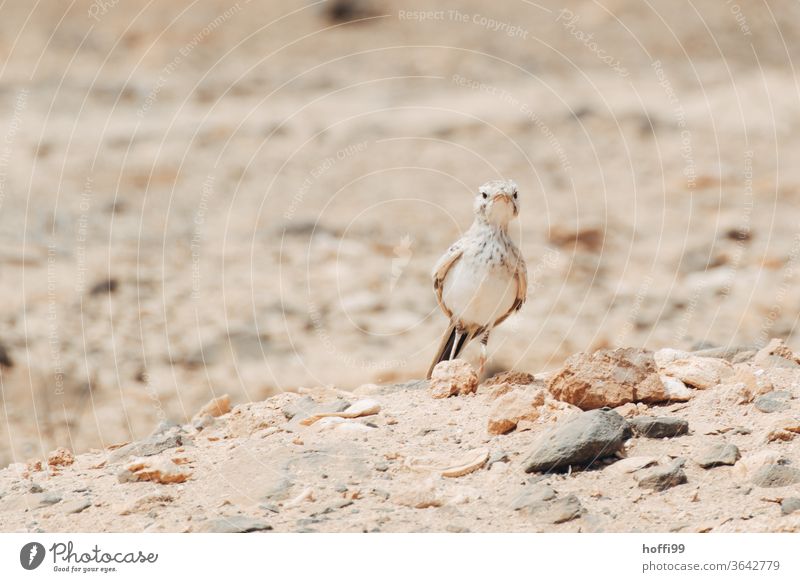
(504, 197)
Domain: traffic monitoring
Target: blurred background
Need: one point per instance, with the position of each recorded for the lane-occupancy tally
(199, 198)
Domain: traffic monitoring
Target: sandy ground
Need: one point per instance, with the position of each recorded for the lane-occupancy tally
(264, 189)
(252, 468)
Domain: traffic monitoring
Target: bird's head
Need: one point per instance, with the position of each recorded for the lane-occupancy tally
(497, 202)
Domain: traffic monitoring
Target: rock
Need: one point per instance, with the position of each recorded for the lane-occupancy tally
(158, 470)
(608, 378)
(773, 353)
(579, 440)
(156, 443)
(633, 464)
(49, 499)
(215, 407)
(776, 476)
(665, 356)
(512, 378)
(419, 496)
(676, 390)
(564, 509)
(532, 496)
(700, 373)
(790, 505)
(532, 405)
(75, 506)
(453, 377)
(733, 355)
(307, 406)
(717, 455)
(235, 524)
(659, 427)
(775, 401)
(61, 457)
(663, 478)
(750, 464)
(784, 429)
(746, 384)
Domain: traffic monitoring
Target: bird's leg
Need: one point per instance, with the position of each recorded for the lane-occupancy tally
(459, 332)
(484, 341)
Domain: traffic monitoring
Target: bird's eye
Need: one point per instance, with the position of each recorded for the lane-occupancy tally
(485, 195)
(515, 195)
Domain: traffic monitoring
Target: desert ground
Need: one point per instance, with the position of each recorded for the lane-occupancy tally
(246, 198)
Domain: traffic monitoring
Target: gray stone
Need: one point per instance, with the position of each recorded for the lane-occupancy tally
(777, 362)
(156, 443)
(776, 476)
(532, 496)
(580, 440)
(75, 505)
(734, 355)
(659, 427)
(235, 524)
(717, 455)
(35, 488)
(49, 499)
(564, 509)
(790, 505)
(662, 478)
(776, 401)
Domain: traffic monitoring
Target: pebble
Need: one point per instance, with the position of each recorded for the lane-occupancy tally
(532, 496)
(663, 478)
(776, 401)
(581, 439)
(699, 372)
(235, 524)
(657, 427)
(75, 506)
(776, 476)
(61, 457)
(307, 406)
(158, 470)
(633, 464)
(451, 378)
(717, 455)
(156, 443)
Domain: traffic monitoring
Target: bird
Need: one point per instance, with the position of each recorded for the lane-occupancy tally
(482, 278)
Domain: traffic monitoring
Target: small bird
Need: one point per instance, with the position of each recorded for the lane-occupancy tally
(482, 278)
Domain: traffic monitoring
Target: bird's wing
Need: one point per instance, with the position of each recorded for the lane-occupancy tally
(441, 269)
(521, 277)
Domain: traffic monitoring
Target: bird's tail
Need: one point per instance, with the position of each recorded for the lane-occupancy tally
(446, 346)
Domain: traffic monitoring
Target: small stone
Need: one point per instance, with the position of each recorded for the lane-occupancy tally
(775, 349)
(658, 427)
(532, 405)
(159, 470)
(676, 390)
(75, 506)
(700, 373)
(156, 443)
(750, 464)
(784, 429)
(215, 407)
(775, 401)
(35, 488)
(49, 499)
(717, 455)
(235, 524)
(61, 457)
(532, 496)
(581, 440)
(776, 476)
(453, 377)
(663, 478)
(790, 505)
(564, 509)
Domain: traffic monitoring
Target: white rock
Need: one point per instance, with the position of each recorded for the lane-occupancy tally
(676, 390)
